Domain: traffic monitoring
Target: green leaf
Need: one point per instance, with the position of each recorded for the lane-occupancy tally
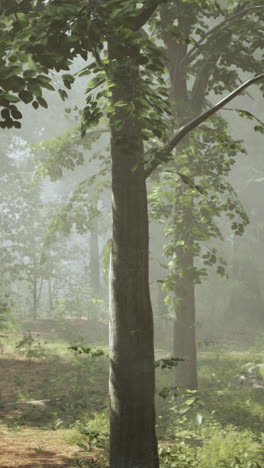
(42, 102)
(16, 114)
(25, 96)
(63, 94)
(5, 113)
(11, 98)
(17, 124)
(190, 401)
(157, 133)
(35, 104)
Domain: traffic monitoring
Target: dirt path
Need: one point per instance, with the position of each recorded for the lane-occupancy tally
(30, 448)
(27, 444)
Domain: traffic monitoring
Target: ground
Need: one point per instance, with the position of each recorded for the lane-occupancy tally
(30, 448)
(36, 433)
(54, 404)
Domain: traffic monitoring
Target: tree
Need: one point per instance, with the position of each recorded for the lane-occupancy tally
(130, 77)
(24, 223)
(203, 162)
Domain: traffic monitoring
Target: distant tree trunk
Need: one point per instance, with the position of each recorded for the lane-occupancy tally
(94, 261)
(132, 420)
(184, 341)
(35, 304)
(34, 290)
(50, 295)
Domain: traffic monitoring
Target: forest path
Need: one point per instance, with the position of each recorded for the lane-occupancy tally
(35, 428)
(36, 448)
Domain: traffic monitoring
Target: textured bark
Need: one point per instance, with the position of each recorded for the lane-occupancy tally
(132, 421)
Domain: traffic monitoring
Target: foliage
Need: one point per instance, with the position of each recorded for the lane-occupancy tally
(6, 308)
(37, 38)
(60, 40)
(88, 350)
(167, 363)
(72, 29)
(231, 448)
(31, 347)
(77, 389)
(195, 193)
(179, 455)
(216, 448)
(93, 431)
(84, 462)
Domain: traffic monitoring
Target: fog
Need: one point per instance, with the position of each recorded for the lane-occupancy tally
(98, 209)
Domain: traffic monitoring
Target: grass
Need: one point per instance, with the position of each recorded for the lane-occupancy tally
(221, 427)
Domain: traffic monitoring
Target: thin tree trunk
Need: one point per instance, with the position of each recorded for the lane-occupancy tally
(50, 295)
(132, 421)
(94, 260)
(35, 290)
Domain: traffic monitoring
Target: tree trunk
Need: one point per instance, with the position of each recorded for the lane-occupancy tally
(34, 298)
(184, 331)
(50, 296)
(94, 261)
(132, 420)
(35, 290)
(184, 340)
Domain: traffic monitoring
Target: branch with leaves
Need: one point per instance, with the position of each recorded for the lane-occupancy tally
(163, 155)
(192, 54)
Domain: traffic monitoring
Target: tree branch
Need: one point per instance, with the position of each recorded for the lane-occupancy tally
(137, 22)
(195, 50)
(162, 155)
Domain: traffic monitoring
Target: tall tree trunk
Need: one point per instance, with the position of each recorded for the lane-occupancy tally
(94, 260)
(184, 341)
(132, 421)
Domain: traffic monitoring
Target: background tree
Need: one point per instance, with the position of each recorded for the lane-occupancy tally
(198, 67)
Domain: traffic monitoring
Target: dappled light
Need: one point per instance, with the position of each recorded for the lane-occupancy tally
(131, 234)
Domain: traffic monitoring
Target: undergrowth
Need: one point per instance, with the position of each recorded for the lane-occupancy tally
(219, 427)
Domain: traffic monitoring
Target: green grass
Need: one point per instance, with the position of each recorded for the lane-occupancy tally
(220, 427)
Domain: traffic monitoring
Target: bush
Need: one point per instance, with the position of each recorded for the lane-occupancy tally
(91, 432)
(6, 309)
(31, 347)
(229, 448)
(179, 455)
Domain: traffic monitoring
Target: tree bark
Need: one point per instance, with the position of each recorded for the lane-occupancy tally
(132, 377)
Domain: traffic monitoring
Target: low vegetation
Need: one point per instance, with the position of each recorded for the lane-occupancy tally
(55, 394)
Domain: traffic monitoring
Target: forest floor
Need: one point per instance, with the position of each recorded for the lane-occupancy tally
(35, 432)
(54, 408)
(32, 447)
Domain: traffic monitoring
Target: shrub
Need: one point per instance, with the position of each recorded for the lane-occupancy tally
(229, 448)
